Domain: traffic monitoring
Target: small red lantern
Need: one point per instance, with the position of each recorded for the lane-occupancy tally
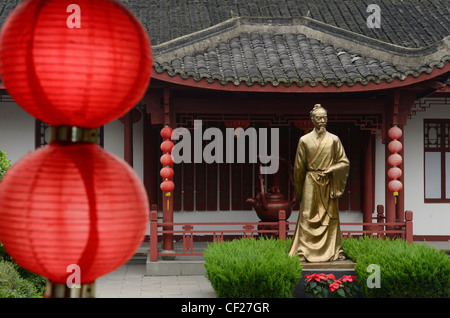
(394, 173)
(166, 173)
(167, 146)
(395, 160)
(166, 159)
(167, 186)
(395, 186)
(166, 132)
(395, 146)
(77, 75)
(72, 205)
(395, 133)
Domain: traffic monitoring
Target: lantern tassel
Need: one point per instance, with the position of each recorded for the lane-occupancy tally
(395, 196)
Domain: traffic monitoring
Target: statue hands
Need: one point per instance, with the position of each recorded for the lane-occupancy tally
(324, 174)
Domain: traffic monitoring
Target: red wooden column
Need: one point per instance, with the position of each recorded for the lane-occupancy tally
(392, 110)
(167, 201)
(397, 112)
(367, 192)
(400, 206)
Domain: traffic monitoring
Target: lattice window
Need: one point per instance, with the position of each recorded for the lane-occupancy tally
(437, 160)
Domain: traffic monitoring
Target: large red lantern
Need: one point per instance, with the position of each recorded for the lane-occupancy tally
(78, 75)
(75, 66)
(72, 205)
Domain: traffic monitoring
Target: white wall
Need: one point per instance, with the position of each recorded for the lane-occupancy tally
(16, 131)
(17, 135)
(428, 218)
(114, 143)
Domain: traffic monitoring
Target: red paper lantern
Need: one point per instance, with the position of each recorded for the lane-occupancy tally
(166, 132)
(167, 146)
(166, 173)
(394, 173)
(395, 133)
(167, 186)
(166, 159)
(73, 204)
(395, 146)
(65, 75)
(395, 160)
(395, 185)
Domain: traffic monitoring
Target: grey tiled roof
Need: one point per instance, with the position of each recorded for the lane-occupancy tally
(263, 41)
(408, 23)
(292, 42)
(286, 59)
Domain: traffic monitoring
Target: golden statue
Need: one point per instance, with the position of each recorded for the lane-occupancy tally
(320, 174)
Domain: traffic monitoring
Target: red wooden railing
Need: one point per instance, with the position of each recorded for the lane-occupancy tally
(280, 229)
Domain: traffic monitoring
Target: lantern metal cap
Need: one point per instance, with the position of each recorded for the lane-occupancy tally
(57, 290)
(73, 134)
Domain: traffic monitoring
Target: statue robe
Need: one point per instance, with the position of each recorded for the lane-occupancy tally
(317, 234)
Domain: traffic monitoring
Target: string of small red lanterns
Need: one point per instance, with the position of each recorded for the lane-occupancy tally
(72, 204)
(395, 160)
(166, 171)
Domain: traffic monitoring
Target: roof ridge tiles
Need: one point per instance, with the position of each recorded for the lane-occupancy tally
(231, 28)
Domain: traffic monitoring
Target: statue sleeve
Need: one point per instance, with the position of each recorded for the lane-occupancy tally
(339, 171)
(299, 169)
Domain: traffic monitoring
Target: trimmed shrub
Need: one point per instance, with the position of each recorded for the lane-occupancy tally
(13, 285)
(16, 281)
(406, 270)
(5, 164)
(252, 268)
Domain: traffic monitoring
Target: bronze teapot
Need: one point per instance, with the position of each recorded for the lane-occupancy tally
(268, 203)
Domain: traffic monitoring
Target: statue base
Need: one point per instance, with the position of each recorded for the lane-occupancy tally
(345, 264)
(337, 268)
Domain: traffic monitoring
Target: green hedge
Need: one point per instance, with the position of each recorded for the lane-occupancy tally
(252, 268)
(406, 270)
(14, 285)
(16, 281)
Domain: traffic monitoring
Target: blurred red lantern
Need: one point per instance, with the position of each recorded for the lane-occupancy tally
(166, 172)
(167, 146)
(395, 146)
(395, 185)
(65, 75)
(394, 173)
(167, 186)
(166, 132)
(395, 133)
(395, 160)
(166, 159)
(72, 205)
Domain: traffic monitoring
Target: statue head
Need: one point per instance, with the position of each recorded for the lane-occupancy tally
(319, 118)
